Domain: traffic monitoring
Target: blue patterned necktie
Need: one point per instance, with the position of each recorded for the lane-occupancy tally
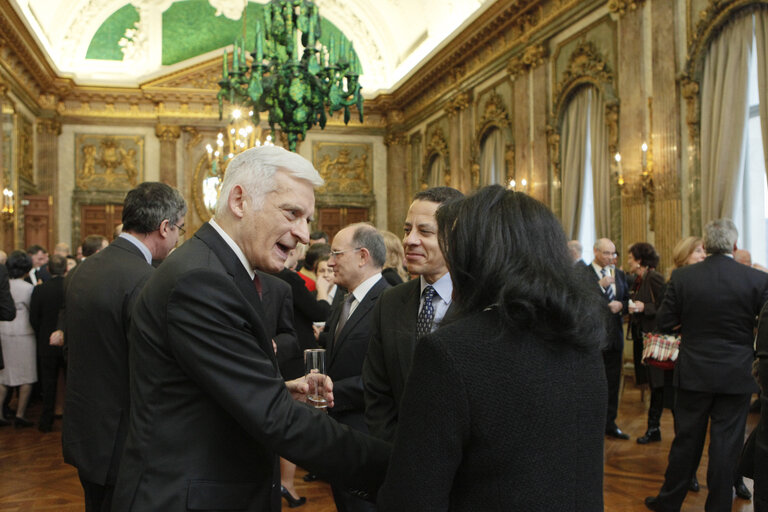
(608, 289)
(427, 313)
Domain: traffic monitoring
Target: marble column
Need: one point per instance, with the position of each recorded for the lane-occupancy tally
(397, 180)
(168, 135)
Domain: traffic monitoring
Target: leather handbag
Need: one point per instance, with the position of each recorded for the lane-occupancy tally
(660, 350)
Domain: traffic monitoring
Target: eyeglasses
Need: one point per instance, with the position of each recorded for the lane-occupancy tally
(181, 229)
(335, 254)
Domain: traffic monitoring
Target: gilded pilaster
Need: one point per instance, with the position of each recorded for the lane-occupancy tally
(459, 173)
(168, 135)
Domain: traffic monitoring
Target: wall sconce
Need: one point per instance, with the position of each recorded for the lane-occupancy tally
(7, 209)
(619, 172)
(513, 184)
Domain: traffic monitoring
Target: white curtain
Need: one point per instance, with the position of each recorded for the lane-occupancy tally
(436, 171)
(724, 110)
(573, 149)
(761, 40)
(492, 165)
(601, 165)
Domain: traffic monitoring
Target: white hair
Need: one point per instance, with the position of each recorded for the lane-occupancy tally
(255, 169)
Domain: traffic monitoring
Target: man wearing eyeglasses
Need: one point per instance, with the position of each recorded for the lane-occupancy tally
(98, 300)
(358, 254)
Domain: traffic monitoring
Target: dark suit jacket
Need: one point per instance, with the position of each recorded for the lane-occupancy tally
(44, 307)
(465, 443)
(346, 355)
(615, 322)
(277, 300)
(761, 430)
(99, 299)
(210, 412)
(306, 309)
(716, 301)
(651, 294)
(390, 353)
(7, 305)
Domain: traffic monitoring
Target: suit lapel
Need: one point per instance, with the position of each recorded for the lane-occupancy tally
(242, 280)
(407, 340)
(361, 311)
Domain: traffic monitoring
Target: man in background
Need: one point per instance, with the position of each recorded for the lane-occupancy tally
(576, 250)
(98, 304)
(39, 273)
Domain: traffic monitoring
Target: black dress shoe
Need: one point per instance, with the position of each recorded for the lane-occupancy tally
(694, 484)
(652, 502)
(741, 490)
(20, 422)
(4, 422)
(652, 435)
(615, 432)
(292, 502)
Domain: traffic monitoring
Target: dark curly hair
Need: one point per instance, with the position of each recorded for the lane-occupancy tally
(645, 254)
(506, 249)
(18, 263)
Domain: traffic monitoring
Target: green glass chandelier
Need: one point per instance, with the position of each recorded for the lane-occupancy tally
(292, 75)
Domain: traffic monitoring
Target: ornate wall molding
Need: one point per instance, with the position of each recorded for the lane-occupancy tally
(395, 139)
(114, 162)
(167, 132)
(532, 57)
(437, 147)
(458, 102)
(621, 7)
(49, 126)
(495, 116)
(585, 65)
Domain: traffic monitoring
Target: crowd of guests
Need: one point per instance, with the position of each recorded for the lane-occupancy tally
(470, 362)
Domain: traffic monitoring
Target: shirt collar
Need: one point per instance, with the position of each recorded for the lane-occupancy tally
(139, 244)
(235, 248)
(363, 288)
(443, 287)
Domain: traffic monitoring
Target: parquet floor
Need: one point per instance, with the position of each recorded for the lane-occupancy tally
(33, 476)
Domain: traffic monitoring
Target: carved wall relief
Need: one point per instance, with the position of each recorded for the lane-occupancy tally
(109, 163)
(495, 116)
(437, 148)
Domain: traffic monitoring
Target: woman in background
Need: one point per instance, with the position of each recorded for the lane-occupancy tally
(509, 396)
(18, 340)
(647, 294)
(394, 270)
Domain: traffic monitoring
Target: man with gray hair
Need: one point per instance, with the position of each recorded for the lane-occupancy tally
(358, 254)
(98, 301)
(716, 303)
(576, 250)
(210, 412)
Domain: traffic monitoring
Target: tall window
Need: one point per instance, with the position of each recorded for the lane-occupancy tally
(492, 168)
(752, 210)
(586, 234)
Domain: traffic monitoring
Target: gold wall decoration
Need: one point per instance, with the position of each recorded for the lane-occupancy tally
(109, 163)
(437, 147)
(395, 139)
(346, 168)
(585, 65)
(457, 103)
(622, 6)
(26, 150)
(531, 57)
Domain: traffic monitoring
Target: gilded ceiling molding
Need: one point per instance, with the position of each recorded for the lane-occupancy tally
(621, 7)
(532, 57)
(457, 103)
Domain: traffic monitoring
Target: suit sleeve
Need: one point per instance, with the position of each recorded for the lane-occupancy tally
(668, 315)
(285, 335)
(35, 310)
(7, 306)
(380, 406)
(214, 336)
(656, 284)
(427, 453)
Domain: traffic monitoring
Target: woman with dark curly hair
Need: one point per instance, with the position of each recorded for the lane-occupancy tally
(18, 340)
(509, 395)
(646, 296)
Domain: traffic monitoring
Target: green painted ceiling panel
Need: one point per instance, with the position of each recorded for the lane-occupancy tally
(104, 43)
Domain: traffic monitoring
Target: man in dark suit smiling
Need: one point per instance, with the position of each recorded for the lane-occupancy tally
(210, 412)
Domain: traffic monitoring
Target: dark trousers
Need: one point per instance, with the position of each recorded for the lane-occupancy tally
(98, 498)
(612, 359)
(726, 415)
(49, 379)
(346, 501)
(656, 407)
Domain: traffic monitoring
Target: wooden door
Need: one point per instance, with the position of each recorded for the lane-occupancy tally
(331, 220)
(38, 221)
(100, 219)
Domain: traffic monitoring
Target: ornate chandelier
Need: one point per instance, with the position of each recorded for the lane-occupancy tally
(292, 75)
(242, 133)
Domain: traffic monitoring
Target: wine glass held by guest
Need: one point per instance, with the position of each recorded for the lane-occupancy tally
(647, 294)
(509, 394)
